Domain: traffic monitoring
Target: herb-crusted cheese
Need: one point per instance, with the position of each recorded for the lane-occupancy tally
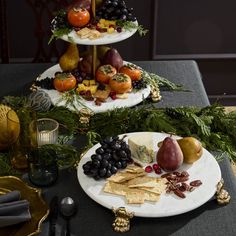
(141, 147)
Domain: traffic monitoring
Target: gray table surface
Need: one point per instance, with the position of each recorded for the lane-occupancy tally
(94, 219)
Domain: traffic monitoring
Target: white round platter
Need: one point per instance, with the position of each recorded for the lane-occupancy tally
(205, 169)
(133, 99)
(105, 39)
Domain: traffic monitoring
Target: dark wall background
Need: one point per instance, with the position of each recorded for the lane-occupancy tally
(202, 30)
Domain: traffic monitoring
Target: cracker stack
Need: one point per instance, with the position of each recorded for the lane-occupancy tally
(136, 186)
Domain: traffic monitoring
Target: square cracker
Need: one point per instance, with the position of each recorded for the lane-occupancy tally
(115, 188)
(142, 181)
(135, 196)
(159, 188)
(152, 197)
(124, 176)
(134, 169)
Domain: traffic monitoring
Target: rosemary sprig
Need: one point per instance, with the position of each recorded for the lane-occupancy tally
(59, 33)
(164, 83)
(130, 25)
(71, 98)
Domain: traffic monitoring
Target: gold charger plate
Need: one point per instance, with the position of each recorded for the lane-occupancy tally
(38, 207)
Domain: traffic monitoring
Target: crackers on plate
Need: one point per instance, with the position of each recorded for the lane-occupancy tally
(135, 185)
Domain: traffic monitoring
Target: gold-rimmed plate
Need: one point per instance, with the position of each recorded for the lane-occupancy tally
(38, 207)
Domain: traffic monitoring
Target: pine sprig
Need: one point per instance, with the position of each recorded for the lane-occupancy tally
(66, 155)
(69, 120)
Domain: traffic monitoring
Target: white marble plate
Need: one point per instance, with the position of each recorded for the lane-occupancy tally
(133, 99)
(205, 169)
(105, 39)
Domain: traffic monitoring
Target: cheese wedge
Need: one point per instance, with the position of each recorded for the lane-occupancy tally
(141, 147)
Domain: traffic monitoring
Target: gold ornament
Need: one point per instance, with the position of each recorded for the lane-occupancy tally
(155, 94)
(121, 223)
(9, 126)
(222, 196)
(85, 115)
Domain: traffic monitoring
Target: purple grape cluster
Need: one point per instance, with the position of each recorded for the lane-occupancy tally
(115, 10)
(139, 84)
(112, 155)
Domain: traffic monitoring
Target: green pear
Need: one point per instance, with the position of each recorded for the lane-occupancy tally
(191, 148)
(70, 59)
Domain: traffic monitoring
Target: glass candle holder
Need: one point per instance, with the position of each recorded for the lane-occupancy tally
(47, 131)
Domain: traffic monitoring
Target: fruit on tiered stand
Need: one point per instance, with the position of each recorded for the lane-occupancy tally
(98, 74)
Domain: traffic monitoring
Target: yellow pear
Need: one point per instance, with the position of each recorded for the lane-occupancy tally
(191, 148)
(70, 59)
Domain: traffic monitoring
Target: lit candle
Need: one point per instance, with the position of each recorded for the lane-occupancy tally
(44, 137)
(47, 131)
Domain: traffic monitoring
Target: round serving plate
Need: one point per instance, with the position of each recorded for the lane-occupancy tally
(205, 169)
(38, 207)
(105, 39)
(133, 99)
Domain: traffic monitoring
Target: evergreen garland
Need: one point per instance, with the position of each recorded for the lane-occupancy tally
(211, 125)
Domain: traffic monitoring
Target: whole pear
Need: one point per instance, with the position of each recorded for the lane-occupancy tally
(191, 148)
(101, 51)
(85, 65)
(113, 58)
(70, 59)
(169, 156)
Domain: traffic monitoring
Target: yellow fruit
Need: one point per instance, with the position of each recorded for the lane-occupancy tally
(191, 148)
(70, 59)
(110, 30)
(86, 82)
(9, 126)
(83, 87)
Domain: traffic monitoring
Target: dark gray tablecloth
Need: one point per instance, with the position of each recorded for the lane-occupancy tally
(94, 219)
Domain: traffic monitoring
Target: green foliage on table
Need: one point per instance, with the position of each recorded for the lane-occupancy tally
(211, 125)
(6, 167)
